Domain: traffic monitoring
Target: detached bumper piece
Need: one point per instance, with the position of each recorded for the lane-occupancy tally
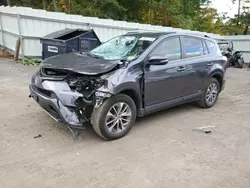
(58, 100)
(54, 107)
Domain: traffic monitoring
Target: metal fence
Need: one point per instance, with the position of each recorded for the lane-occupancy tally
(29, 25)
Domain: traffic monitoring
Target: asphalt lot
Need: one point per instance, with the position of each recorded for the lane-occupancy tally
(160, 151)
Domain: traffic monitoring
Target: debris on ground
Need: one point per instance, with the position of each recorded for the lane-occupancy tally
(74, 133)
(206, 129)
(38, 136)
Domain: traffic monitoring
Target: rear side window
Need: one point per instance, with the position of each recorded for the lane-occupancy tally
(192, 47)
(169, 48)
(210, 46)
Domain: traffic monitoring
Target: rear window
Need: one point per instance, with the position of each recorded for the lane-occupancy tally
(193, 47)
(210, 46)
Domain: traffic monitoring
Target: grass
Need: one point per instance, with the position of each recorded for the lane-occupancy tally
(33, 62)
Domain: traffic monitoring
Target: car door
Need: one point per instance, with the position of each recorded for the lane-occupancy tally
(195, 56)
(164, 82)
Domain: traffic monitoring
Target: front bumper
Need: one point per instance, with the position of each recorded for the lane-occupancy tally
(59, 104)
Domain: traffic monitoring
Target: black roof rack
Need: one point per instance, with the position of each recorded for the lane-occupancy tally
(158, 33)
(149, 33)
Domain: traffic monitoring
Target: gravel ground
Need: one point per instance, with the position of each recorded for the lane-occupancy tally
(160, 151)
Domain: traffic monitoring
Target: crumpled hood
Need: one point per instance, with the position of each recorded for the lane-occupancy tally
(79, 63)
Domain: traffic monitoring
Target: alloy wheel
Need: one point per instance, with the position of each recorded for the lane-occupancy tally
(118, 117)
(212, 93)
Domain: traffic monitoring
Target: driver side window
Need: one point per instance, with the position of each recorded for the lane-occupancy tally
(169, 48)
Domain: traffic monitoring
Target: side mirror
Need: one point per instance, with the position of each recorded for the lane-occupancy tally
(156, 60)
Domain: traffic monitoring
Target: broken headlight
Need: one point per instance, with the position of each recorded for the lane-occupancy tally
(85, 85)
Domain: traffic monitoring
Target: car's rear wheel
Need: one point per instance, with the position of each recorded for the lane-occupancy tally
(115, 117)
(211, 93)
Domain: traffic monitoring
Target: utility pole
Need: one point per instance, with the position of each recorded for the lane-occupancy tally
(69, 6)
(55, 5)
(238, 18)
(8, 3)
(44, 4)
(31, 3)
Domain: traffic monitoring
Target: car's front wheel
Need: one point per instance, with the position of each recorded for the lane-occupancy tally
(211, 93)
(115, 117)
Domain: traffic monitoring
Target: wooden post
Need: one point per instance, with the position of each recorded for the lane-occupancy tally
(20, 35)
(18, 44)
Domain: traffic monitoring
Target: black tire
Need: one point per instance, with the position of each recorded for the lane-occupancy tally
(203, 103)
(99, 114)
(240, 63)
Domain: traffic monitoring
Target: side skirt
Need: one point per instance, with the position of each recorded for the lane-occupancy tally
(168, 104)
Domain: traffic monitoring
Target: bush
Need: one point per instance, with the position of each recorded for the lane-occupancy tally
(30, 62)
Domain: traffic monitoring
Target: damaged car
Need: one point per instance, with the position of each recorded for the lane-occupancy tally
(129, 76)
(235, 58)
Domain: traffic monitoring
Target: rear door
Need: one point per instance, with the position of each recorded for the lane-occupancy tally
(195, 54)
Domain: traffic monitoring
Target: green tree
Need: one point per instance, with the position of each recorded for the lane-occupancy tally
(186, 14)
(99, 8)
(209, 20)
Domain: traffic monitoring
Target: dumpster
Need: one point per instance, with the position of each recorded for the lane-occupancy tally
(67, 41)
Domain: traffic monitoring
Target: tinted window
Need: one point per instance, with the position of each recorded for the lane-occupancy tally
(170, 48)
(192, 47)
(210, 46)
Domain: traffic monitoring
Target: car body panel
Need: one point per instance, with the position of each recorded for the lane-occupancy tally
(79, 63)
(162, 82)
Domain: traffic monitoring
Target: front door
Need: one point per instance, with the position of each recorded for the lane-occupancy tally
(164, 82)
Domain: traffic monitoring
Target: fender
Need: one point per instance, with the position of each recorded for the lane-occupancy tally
(219, 75)
(136, 95)
(126, 86)
(216, 72)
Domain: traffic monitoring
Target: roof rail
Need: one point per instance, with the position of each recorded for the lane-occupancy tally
(149, 32)
(142, 31)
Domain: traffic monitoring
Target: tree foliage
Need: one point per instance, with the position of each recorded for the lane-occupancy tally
(241, 22)
(186, 14)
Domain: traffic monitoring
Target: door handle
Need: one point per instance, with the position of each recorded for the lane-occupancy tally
(210, 64)
(180, 69)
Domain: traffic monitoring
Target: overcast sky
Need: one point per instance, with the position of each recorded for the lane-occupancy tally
(226, 6)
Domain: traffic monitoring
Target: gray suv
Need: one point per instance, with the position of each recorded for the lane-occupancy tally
(129, 76)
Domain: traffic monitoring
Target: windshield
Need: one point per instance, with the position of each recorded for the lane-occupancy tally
(124, 47)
